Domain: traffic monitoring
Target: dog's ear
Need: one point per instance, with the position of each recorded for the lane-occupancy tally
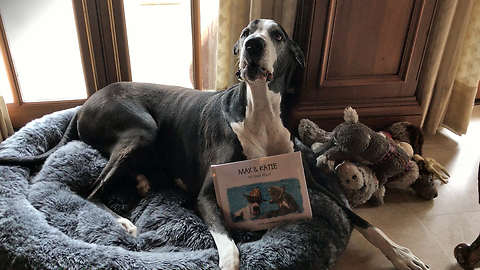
(235, 48)
(297, 53)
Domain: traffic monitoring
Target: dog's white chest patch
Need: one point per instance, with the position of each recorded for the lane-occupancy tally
(262, 133)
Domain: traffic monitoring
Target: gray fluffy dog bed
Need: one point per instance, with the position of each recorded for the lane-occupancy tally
(46, 225)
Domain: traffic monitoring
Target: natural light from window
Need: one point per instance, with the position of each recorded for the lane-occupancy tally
(43, 43)
(160, 39)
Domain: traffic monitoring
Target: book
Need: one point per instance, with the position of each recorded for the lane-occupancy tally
(258, 194)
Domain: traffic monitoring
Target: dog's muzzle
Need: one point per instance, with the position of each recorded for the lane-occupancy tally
(254, 48)
(256, 209)
(253, 55)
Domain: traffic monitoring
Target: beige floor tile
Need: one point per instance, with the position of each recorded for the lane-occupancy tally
(360, 254)
(450, 230)
(446, 203)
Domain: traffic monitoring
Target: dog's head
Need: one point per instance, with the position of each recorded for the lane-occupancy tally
(254, 201)
(276, 193)
(264, 48)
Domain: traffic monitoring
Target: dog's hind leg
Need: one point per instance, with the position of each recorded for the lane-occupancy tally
(134, 145)
(127, 147)
(127, 224)
(112, 170)
(109, 173)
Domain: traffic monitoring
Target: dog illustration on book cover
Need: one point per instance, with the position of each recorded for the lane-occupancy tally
(252, 210)
(286, 203)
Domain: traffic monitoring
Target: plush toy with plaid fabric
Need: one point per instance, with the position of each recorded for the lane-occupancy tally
(354, 141)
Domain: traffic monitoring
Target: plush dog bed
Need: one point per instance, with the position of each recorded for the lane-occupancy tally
(44, 224)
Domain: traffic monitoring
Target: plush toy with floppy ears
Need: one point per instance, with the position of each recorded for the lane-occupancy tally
(352, 140)
(357, 181)
(404, 133)
(405, 136)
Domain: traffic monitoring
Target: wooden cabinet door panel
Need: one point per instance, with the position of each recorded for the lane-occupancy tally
(361, 53)
(367, 38)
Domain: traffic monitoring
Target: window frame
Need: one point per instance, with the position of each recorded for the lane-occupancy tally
(103, 45)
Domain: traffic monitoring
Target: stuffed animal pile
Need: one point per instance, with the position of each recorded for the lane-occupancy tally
(370, 161)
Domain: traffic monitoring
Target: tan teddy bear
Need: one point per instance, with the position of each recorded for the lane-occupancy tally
(358, 182)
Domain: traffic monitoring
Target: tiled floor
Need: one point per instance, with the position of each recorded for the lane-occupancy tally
(430, 229)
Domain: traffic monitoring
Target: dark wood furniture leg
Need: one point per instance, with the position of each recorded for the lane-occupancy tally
(467, 256)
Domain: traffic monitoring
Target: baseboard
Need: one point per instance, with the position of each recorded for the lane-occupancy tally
(376, 116)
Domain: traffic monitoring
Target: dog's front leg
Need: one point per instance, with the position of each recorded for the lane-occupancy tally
(401, 257)
(229, 256)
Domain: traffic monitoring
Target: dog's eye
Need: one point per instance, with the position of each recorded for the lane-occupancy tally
(278, 37)
(354, 177)
(246, 33)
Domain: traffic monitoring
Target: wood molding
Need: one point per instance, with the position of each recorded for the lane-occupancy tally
(90, 49)
(111, 21)
(21, 115)
(9, 65)
(196, 44)
(315, 33)
(377, 116)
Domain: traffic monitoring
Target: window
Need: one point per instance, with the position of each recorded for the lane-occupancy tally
(58, 52)
(43, 45)
(159, 54)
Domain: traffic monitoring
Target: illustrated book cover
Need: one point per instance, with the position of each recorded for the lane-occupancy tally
(260, 193)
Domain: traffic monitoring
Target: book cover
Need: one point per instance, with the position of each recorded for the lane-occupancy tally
(260, 193)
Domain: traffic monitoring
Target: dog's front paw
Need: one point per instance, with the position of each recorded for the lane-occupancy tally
(228, 254)
(404, 259)
(230, 260)
(128, 225)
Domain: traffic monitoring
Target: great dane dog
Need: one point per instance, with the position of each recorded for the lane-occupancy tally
(186, 131)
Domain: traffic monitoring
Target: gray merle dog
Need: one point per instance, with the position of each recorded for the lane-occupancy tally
(184, 131)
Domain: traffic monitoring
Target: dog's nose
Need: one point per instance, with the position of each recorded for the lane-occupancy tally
(255, 46)
(256, 208)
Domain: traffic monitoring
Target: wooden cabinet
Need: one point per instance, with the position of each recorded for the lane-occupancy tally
(361, 53)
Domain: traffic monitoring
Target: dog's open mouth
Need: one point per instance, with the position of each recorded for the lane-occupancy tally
(255, 72)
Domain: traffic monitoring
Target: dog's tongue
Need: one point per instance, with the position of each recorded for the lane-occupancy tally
(268, 75)
(256, 72)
